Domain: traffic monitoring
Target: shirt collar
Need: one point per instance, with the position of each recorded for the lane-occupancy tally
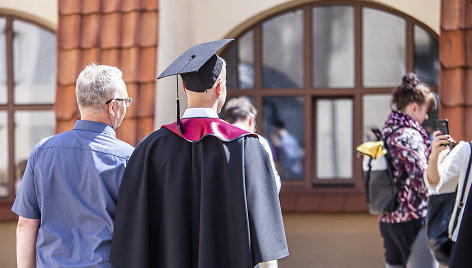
(200, 112)
(95, 127)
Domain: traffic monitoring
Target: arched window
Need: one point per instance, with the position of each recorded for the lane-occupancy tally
(321, 75)
(27, 95)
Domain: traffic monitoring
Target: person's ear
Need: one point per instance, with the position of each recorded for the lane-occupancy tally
(251, 120)
(252, 123)
(183, 88)
(218, 88)
(410, 108)
(110, 108)
(414, 107)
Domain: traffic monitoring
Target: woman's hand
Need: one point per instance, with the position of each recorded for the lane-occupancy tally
(440, 143)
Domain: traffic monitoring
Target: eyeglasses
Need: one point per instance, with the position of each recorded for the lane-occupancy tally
(127, 100)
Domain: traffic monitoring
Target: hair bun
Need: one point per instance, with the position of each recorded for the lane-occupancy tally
(410, 79)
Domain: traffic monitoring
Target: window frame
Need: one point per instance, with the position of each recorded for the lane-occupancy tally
(310, 188)
(11, 108)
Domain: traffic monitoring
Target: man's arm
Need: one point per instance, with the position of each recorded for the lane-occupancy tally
(268, 264)
(26, 232)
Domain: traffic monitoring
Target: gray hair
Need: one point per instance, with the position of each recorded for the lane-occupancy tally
(98, 84)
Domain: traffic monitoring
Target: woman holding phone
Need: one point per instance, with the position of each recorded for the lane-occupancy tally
(447, 172)
(403, 230)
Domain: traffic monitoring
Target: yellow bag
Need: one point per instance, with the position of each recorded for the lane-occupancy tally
(373, 149)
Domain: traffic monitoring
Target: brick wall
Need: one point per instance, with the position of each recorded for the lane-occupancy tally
(455, 56)
(121, 33)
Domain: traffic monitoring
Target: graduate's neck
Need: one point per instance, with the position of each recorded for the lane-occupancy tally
(213, 107)
(202, 100)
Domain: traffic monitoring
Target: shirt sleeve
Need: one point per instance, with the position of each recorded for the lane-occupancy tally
(451, 168)
(26, 201)
(409, 154)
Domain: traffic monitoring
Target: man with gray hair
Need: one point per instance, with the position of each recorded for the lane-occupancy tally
(67, 198)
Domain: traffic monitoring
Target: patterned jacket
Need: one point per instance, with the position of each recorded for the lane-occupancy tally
(409, 148)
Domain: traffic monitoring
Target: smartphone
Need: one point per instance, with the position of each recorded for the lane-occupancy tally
(442, 125)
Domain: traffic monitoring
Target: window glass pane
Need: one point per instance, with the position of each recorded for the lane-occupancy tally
(30, 128)
(34, 51)
(426, 57)
(3, 62)
(282, 51)
(231, 57)
(383, 48)
(3, 154)
(375, 110)
(240, 62)
(334, 138)
(333, 46)
(283, 127)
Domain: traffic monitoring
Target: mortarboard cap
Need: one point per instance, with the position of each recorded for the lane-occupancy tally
(199, 66)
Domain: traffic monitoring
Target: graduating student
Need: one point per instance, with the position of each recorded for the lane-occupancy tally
(199, 192)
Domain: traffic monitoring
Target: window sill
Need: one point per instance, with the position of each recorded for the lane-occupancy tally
(323, 202)
(5, 212)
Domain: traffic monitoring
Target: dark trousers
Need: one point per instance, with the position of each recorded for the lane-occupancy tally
(398, 238)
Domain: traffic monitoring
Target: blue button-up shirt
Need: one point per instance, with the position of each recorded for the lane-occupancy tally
(71, 184)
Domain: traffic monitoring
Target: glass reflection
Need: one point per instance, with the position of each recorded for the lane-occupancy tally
(3, 154)
(34, 55)
(3, 62)
(375, 110)
(30, 128)
(282, 51)
(240, 62)
(283, 126)
(426, 57)
(334, 138)
(384, 48)
(333, 46)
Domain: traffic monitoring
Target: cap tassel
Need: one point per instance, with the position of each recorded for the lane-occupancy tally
(178, 103)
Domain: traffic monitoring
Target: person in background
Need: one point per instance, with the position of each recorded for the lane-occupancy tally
(403, 230)
(67, 198)
(199, 192)
(20, 170)
(428, 127)
(241, 113)
(447, 171)
(288, 152)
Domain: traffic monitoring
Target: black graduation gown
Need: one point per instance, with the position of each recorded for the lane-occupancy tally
(203, 199)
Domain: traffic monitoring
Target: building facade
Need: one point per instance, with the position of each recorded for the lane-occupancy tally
(323, 70)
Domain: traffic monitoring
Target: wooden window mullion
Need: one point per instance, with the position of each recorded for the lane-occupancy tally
(410, 43)
(10, 109)
(358, 71)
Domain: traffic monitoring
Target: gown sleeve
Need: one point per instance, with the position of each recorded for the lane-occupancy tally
(265, 218)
